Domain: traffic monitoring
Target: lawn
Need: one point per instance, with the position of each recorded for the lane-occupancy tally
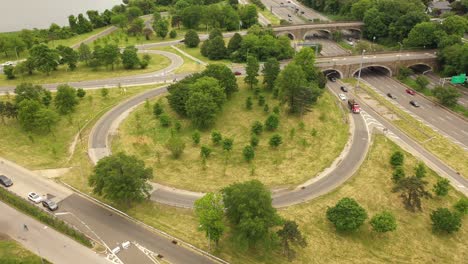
(12, 252)
(36, 151)
(301, 156)
(440, 146)
(83, 73)
(189, 64)
(122, 39)
(195, 52)
(274, 20)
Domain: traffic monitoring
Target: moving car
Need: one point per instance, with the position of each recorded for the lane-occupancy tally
(409, 91)
(237, 73)
(34, 197)
(391, 95)
(49, 204)
(414, 103)
(342, 97)
(5, 181)
(333, 79)
(344, 89)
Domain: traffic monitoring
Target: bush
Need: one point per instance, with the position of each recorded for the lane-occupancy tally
(347, 215)
(80, 93)
(441, 188)
(196, 137)
(227, 144)
(254, 141)
(205, 152)
(276, 110)
(34, 211)
(397, 159)
(383, 222)
(249, 153)
(462, 205)
(275, 140)
(445, 221)
(191, 39)
(104, 92)
(266, 108)
(261, 100)
(176, 146)
(165, 120)
(8, 71)
(177, 125)
(173, 34)
(272, 122)
(248, 103)
(257, 128)
(158, 109)
(398, 174)
(216, 137)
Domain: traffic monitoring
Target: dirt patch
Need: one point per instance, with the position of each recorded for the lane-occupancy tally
(382, 110)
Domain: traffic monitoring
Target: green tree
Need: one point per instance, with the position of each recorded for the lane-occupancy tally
(461, 206)
(165, 120)
(251, 71)
(257, 128)
(383, 222)
(9, 72)
(83, 25)
(68, 56)
(275, 140)
(397, 159)
(161, 27)
(80, 92)
(420, 170)
(130, 58)
(158, 109)
(216, 137)
(66, 99)
(110, 55)
(412, 190)
(398, 174)
(455, 25)
(289, 83)
(224, 75)
(272, 122)
(447, 96)
(227, 144)
(173, 34)
(347, 215)
(249, 209)
(32, 92)
(445, 221)
(44, 58)
(175, 145)
(425, 34)
(215, 48)
(248, 103)
(441, 188)
(249, 153)
(270, 71)
(306, 59)
(254, 140)
(422, 82)
(133, 12)
(210, 212)
(121, 178)
(27, 113)
(248, 15)
(234, 43)
(191, 39)
(46, 119)
(196, 137)
(119, 20)
(104, 92)
(290, 233)
(84, 53)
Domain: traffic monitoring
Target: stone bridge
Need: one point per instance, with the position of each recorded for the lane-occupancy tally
(348, 66)
(299, 32)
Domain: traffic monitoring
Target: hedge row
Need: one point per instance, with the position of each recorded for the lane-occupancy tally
(33, 211)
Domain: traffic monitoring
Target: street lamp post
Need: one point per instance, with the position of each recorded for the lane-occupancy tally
(360, 68)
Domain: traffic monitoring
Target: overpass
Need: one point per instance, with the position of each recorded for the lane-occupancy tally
(348, 66)
(299, 32)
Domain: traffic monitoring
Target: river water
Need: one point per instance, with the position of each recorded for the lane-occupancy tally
(18, 14)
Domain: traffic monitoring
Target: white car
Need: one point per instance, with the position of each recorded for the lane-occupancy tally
(8, 63)
(342, 97)
(34, 197)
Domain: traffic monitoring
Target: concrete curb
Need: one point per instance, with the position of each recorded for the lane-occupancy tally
(179, 241)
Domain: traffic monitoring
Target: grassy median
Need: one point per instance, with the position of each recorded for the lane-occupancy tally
(12, 252)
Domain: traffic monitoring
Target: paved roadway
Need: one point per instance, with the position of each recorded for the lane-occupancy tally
(44, 241)
(283, 8)
(443, 121)
(329, 47)
(434, 80)
(98, 222)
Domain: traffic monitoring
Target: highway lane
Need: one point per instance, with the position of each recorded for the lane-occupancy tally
(434, 80)
(329, 47)
(442, 120)
(283, 8)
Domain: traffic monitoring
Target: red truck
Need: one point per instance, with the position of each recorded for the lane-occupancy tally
(355, 108)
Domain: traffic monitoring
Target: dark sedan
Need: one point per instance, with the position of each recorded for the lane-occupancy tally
(5, 181)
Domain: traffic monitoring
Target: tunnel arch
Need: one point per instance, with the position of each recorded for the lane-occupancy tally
(332, 73)
(375, 67)
(420, 67)
(290, 35)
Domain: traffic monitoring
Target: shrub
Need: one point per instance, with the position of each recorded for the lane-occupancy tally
(276, 110)
(248, 103)
(104, 92)
(158, 109)
(275, 140)
(191, 39)
(266, 108)
(80, 93)
(445, 221)
(176, 146)
(398, 174)
(257, 128)
(261, 100)
(173, 34)
(441, 188)
(347, 215)
(177, 125)
(397, 159)
(272, 122)
(205, 152)
(227, 144)
(216, 137)
(462, 205)
(196, 137)
(254, 140)
(9, 72)
(165, 120)
(249, 153)
(383, 222)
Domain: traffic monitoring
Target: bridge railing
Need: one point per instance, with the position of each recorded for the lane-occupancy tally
(321, 22)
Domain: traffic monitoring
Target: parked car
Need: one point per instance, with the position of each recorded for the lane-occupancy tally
(302, 12)
(409, 91)
(49, 204)
(5, 181)
(289, 15)
(237, 73)
(34, 197)
(342, 97)
(391, 95)
(414, 103)
(333, 79)
(344, 89)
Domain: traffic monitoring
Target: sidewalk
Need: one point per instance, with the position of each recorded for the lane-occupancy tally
(45, 241)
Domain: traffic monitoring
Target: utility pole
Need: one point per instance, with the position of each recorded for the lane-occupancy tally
(360, 69)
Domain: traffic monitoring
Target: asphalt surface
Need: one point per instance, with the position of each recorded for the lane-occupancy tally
(286, 10)
(434, 80)
(44, 241)
(442, 120)
(329, 47)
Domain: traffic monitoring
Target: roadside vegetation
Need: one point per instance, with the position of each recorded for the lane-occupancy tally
(46, 139)
(26, 207)
(12, 252)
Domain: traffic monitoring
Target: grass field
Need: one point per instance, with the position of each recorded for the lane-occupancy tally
(195, 52)
(440, 146)
(36, 151)
(189, 64)
(82, 73)
(11, 252)
(301, 156)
